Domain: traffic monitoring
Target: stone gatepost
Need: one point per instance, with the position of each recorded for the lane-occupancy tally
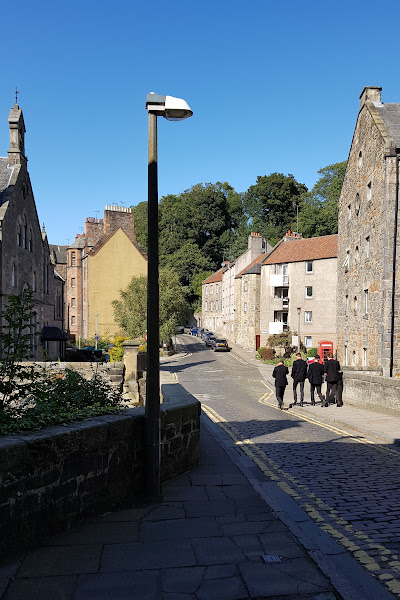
(130, 392)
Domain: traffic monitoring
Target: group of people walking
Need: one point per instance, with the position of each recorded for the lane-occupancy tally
(316, 373)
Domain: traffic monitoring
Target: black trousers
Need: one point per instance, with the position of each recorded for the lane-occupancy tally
(331, 389)
(313, 387)
(301, 384)
(280, 392)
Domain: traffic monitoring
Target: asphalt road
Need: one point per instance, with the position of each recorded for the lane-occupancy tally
(346, 483)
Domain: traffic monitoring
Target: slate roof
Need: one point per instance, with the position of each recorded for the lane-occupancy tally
(60, 252)
(390, 114)
(254, 267)
(301, 249)
(5, 173)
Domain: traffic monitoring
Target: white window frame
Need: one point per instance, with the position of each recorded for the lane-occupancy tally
(308, 341)
(309, 271)
(245, 307)
(308, 316)
(307, 295)
(73, 282)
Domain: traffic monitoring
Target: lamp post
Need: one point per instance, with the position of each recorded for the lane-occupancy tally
(173, 109)
(298, 328)
(96, 336)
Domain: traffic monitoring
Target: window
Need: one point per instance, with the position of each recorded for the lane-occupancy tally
(246, 286)
(369, 192)
(72, 259)
(73, 303)
(308, 316)
(308, 341)
(19, 234)
(346, 261)
(245, 326)
(72, 320)
(347, 306)
(245, 307)
(309, 266)
(354, 358)
(360, 160)
(365, 362)
(349, 212)
(216, 305)
(357, 204)
(216, 288)
(282, 269)
(212, 289)
(367, 245)
(357, 253)
(206, 306)
(308, 291)
(355, 305)
(30, 244)
(366, 301)
(73, 282)
(13, 275)
(34, 281)
(206, 290)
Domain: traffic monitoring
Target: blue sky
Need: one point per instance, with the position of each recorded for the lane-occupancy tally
(273, 87)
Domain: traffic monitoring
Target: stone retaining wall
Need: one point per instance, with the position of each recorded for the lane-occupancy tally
(51, 479)
(371, 391)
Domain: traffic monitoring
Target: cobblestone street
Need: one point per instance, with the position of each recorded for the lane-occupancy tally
(345, 481)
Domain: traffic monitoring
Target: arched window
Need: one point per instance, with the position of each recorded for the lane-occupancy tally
(30, 242)
(24, 231)
(19, 234)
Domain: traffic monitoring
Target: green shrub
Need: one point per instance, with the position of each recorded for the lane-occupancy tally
(260, 351)
(312, 352)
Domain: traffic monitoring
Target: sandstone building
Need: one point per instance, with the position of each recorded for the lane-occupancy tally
(368, 255)
(24, 249)
(98, 264)
(298, 289)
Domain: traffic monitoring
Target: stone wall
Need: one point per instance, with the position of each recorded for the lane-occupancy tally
(366, 389)
(52, 479)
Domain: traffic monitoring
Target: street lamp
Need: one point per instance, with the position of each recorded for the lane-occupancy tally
(298, 328)
(173, 109)
(96, 337)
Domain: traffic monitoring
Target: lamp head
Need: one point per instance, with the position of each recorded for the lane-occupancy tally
(173, 109)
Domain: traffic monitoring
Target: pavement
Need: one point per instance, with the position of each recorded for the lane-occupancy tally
(222, 531)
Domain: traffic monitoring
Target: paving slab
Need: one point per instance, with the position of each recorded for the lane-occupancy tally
(45, 588)
(119, 586)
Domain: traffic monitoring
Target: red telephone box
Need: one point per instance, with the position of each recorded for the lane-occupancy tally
(323, 348)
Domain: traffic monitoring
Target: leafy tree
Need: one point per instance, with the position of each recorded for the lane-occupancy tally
(271, 204)
(198, 289)
(319, 214)
(130, 311)
(140, 220)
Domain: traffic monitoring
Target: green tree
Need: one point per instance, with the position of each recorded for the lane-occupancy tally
(319, 213)
(271, 204)
(130, 311)
(140, 220)
(198, 288)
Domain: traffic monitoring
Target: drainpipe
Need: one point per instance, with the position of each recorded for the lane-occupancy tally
(394, 264)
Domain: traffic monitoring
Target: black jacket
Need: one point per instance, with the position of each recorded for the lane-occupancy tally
(332, 368)
(299, 370)
(279, 373)
(315, 373)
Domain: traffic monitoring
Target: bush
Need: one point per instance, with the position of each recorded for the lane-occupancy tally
(312, 352)
(268, 354)
(260, 351)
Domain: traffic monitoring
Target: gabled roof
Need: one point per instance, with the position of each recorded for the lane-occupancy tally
(5, 173)
(105, 238)
(301, 249)
(254, 267)
(390, 115)
(215, 277)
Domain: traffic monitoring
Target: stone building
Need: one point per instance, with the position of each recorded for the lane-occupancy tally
(298, 289)
(247, 305)
(368, 321)
(211, 300)
(99, 264)
(24, 249)
(257, 245)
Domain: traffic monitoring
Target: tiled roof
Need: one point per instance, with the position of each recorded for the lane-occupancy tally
(300, 249)
(390, 114)
(217, 276)
(5, 173)
(252, 267)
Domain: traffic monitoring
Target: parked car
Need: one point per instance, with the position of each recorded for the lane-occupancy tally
(210, 340)
(204, 333)
(220, 345)
(180, 329)
(207, 334)
(193, 331)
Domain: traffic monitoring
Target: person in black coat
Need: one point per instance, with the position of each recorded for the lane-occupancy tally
(315, 376)
(280, 373)
(332, 375)
(299, 374)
